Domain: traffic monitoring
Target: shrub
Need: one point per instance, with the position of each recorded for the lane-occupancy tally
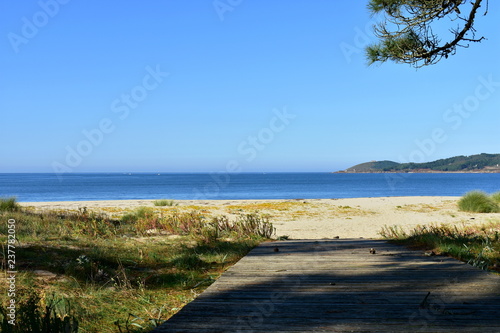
(254, 225)
(164, 202)
(9, 205)
(139, 213)
(478, 202)
(129, 218)
(143, 212)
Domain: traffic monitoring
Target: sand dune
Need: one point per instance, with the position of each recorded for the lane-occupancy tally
(312, 218)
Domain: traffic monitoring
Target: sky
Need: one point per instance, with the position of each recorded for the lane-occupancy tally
(229, 86)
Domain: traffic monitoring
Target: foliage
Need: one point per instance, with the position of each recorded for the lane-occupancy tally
(116, 279)
(164, 202)
(496, 197)
(408, 33)
(139, 213)
(478, 202)
(32, 316)
(457, 163)
(202, 228)
(9, 205)
(479, 245)
(64, 225)
(254, 224)
(393, 232)
(373, 166)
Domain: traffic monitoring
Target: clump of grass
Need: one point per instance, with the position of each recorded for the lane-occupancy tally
(496, 197)
(138, 214)
(476, 245)
(478, 202)
(142, 212)
(9, 205)
(164, 202)
(254, 225)
(393, 232)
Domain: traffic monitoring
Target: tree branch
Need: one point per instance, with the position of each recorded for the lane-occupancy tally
(447, 48)
(413, 40)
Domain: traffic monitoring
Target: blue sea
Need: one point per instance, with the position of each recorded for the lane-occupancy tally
(179, 186)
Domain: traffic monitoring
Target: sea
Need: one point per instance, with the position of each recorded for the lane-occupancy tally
(32, 187)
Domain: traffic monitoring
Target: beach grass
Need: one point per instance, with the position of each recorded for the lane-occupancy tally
(478, 245)
(496, 197)
(9, 205)
(164, 202)
(479, 202)
(122, 275)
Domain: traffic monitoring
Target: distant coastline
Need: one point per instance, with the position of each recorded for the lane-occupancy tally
(480, 163)
(419, 171)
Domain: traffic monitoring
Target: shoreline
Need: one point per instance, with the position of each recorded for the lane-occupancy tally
(147, 201)
(308, 218)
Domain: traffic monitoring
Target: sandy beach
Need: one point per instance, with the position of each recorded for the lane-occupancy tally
(310, 218)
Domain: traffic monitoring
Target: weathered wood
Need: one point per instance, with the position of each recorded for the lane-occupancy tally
(338, 286)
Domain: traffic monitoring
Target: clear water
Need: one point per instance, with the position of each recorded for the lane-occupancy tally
(115, 186)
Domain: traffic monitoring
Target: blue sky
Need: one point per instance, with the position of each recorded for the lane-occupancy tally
(181, 86)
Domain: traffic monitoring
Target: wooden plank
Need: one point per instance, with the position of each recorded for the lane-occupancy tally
(327, 311)
(348, 275)
(379, 324)
(338, 286)
(347, 298)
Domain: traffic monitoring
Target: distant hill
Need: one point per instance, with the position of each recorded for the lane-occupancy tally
(474, 163)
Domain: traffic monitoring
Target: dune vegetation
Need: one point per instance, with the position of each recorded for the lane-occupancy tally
(84, 272)
(478, 245)
(479, 202)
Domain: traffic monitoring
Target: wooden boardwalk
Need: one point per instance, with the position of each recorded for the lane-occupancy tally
(338, 286)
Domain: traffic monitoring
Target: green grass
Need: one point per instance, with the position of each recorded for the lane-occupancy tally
(496, 197)
(164, 202)
(477, 245)
(479, 202)
(119, 275)
(9, 205)
(140, 213)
